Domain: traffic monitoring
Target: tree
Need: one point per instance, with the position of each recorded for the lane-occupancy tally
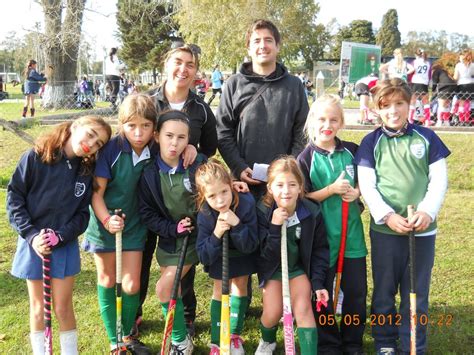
(146, 29)
(61, 46)
(359, 31)
(388, 37)
(219, 27)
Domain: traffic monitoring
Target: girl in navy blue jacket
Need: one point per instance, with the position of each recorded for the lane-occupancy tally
(308, 255)
(32, 85)
(223, 210)
(166, 207)
(48, 205)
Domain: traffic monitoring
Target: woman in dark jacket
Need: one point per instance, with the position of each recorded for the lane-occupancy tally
(33, 81)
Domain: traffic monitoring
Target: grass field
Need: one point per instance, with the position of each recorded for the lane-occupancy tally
(451, 297)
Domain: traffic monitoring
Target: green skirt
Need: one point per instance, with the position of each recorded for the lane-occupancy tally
(171, 259)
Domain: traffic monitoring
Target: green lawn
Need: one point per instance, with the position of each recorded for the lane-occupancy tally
(451, 296)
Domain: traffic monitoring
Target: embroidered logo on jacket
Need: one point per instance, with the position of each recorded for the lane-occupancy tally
(418, 150)
(187, 184)
(79, 189)
(350, 170)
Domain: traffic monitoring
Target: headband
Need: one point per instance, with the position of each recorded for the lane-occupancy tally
(172, 115)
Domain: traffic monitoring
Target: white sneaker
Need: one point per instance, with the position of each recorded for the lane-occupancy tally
(236, 345)
(265, 348)
(184, 348)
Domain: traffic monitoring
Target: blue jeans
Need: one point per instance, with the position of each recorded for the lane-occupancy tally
(390, 274)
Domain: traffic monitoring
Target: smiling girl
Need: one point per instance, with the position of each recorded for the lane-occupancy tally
(308, 255)
(48, 205)
(330, 175)
(400, 164)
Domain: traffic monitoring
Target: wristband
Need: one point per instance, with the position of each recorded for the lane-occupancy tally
(105, 221)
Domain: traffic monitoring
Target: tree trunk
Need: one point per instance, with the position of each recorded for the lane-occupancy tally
(61, 45)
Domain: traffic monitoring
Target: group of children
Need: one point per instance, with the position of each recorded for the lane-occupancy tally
(141, 172)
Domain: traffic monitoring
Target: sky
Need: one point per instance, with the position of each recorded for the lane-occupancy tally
(99, 25)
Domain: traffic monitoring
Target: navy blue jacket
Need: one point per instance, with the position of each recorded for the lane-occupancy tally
(33, 82)
(313, 245)
(243, 237)
(52, 196)
(151, 205)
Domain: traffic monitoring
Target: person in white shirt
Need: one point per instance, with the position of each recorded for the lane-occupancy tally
(464, 75)
(113, 69)
(419, 86)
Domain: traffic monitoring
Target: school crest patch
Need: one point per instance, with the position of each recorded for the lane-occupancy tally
(418, 150)
(187, 184)
(350, 170)
(79, 189)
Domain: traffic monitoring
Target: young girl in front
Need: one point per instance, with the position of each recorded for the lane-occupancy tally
(117, 172)
(308, 255)
(400, 164)
(167, 209)
(48, 205)
(223, 210)
(331, 179)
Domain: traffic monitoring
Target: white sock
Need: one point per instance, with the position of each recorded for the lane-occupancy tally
(68, 340)
(37, 342)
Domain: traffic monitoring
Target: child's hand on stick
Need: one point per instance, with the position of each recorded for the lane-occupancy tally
(420, 221)
(340, 186)
(184, 226)
(115, 223)
(40, 244)
(322, 296)
(351, 195)
(398, 223)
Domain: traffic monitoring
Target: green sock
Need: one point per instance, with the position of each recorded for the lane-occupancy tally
(129, 310)
(269, 334)
(308, 339)
(215, 321)
(107, 306)
(179, 326)
(238, 306)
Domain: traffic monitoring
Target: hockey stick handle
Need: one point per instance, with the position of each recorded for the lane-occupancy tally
(47, 301)
(412, 270)
(225, 264)
(342, 247)
(411, 246)
(225, 309)
(118, 281)
(166, 342)
(179, 269)
(287, 314)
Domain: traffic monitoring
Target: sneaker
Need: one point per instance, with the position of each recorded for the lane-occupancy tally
(265, 348)
(215, 350)
(236, 345)
(136, 347)
(386, 351)
(119, 351)
(184, 348)
(190, 328)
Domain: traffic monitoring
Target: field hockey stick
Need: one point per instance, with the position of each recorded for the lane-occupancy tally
(287, 316)
(48, 330)
(166, 343)
(342, 250)
(225, 305)
(412, 269)
(118, 283)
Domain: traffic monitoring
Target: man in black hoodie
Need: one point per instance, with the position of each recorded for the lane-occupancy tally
(263, 109)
